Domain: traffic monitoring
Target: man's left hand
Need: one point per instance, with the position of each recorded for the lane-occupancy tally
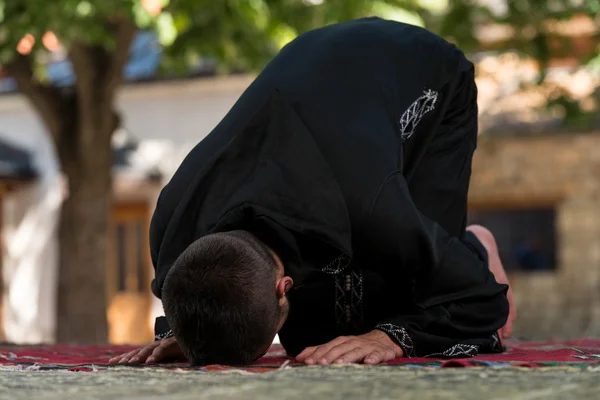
(371, 348)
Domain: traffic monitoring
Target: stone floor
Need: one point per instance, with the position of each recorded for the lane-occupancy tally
(306, 383)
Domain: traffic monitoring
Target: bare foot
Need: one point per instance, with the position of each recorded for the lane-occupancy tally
(495, 264)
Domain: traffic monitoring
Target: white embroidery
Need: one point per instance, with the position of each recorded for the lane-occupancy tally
(162, 336)
(337, 265)
(458, 350)
(340, 301)
(401, 336)
(349, 301)
(412, 116)
(496, 345)
(356, 298)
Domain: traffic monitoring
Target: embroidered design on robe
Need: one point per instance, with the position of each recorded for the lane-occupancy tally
(402, 337)
(349, 301)
(458, 350)
(413, 115)
(165, 335)
(337, 265)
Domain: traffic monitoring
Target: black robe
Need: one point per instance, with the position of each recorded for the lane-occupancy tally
(350, 155)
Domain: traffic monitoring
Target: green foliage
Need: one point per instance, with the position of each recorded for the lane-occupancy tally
(534, 35)
(70, 20)
(240, 33)
(245, 34)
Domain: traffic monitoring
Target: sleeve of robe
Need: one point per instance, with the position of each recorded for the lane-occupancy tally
(459, 306)
(419, 232)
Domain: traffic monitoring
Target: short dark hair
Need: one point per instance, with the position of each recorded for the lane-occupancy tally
(220, 301)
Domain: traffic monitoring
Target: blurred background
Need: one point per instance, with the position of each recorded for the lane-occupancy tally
(101, 100)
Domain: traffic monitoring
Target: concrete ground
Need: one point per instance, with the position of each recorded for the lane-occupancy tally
(306, 383)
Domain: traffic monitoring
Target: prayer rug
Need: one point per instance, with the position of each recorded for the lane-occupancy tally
(581, 353)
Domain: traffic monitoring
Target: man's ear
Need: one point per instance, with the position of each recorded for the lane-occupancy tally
(284, 285)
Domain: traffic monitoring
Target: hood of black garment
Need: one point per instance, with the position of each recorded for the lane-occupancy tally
(270, 179)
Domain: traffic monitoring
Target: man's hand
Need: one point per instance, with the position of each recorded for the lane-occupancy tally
(159, 351)
(371, 348)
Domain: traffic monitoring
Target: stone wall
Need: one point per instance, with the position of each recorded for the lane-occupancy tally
(561, 170)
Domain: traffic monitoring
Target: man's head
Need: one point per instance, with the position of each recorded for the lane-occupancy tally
(224, 298)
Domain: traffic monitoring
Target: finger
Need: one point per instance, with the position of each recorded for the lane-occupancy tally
(139, 354)
(115, 359)
(337, 351)
(324, 349)
(374, 358)
(143, 354)
(306, 352)
(118, 358)
(379, 356)
(357, 354)
(158, 354)
(319, 351)
(126, 357)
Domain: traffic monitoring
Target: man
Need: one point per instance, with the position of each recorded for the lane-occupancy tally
(329, 206)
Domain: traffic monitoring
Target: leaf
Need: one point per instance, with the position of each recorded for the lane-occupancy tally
(247, 33)
(167, 32)
(387, 11)
(84, 9)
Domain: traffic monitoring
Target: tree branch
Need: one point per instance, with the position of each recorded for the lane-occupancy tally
(88, 62)
(99, 72)
(44, 98)
(124, 34)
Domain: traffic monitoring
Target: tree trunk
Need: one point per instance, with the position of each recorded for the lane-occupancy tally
(81, 121)
(83, 237)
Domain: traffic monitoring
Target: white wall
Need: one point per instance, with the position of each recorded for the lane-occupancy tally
(168, 118)
(29, 245)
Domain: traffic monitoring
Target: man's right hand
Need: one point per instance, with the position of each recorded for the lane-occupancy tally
(160, 351)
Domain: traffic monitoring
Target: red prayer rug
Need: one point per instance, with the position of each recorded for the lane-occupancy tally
(581, 353)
